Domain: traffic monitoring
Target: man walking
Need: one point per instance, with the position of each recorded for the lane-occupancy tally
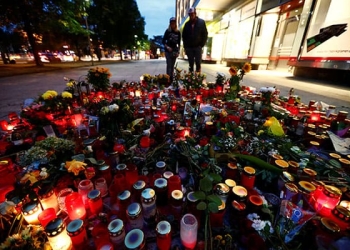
(194, 36)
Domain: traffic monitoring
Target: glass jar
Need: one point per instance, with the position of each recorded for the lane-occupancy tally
(62, 197)
(117, 233)
(238, 213)
(161, 189)
(327, 200)
(149, 208)
(105, 172)
(163, 230)
(306, 188)
(282, 180)
(84, 187)
(232, 171)
(101, 185)
(75, 206)
(176, 204)
(134, 215)
(48, 198)
(77, 233)
(217, 219)
(123, 201)
(57, 235)
(31, 211)
(239, 193)
(248, 177)
(135, 240)
(137, 189)
(222, 190)
(327, 232)
(160, 167)
(95, 202)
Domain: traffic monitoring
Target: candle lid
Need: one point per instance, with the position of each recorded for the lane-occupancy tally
(54, 227)
(286, 176)
(240, 191)
(281, 163)
(160, 164)
(75, 227)
(163, 227)
(116, 227)
(240, 206)
(232, 165)
(121, 166)
(148, 195)
(160, 183)
(30, 208)
(94, 194)
(249, 170)
(167, 174)
(291, 187)
(330, 225)
(134, 209)
(310, 172)
(134, 239)
(45, 193)
(230, 183)
(138, 185)
(191, 198)
(307, 186)
(332, 191)
(221, 189)
(177, 195)
(124, 195)
(293, 164)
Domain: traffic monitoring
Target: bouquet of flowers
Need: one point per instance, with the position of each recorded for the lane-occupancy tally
(235, 79)
(193, 80)
(99, 77)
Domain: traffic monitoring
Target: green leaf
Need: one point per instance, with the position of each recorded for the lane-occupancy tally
(216, 177)
(201, 206)
(213, 207)
(200, 195)
(215, 199)
(205, 184)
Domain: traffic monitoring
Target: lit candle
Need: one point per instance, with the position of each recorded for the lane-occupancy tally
(75, 206)
(77, 233)
(188, 231)
(46, 216)
(49, 199)
(57, 235)
(31, 212)
(326, 201)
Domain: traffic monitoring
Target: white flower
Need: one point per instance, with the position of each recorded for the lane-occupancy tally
(263, 89)
(43, 174)
(271, 89)
(253, 216)
(113, 108)
(104, 110)
(258, 224)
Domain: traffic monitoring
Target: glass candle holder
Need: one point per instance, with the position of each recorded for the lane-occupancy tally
(95, 202)
(46, 216)
(117, 233)
(77, 233)
(31, 212)
(217, 219)
(188, 231)
(160, 167)
(149, 208)
(239, 193)
(163, 230)
(326, 201)
(248, 177)
(176, 204)
(62, 197)
(134, 215)
(161, 189)
(231, 171)
(222, 190)
(101, 185)
(174, 183)
(84, 187)
(131, 175)
(57, 235)
(106, 173)
(48, 198)
(75, 206)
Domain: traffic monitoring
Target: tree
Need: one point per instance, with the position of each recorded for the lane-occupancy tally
(41, 17)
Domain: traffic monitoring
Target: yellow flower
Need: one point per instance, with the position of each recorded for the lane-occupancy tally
(70, 84)
(49, 94)
(66, 94)
(233, 71)
(75, 166)
(247, 67)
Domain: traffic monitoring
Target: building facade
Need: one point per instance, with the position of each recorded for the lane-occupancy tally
(303, 36)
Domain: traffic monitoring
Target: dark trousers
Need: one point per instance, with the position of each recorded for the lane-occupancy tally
(170, 63)
(194, 55)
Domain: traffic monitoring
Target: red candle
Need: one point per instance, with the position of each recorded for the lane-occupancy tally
(174, 183)
(131, 175)
(95, 202)
(327, 200)
(46, 216)
(145, 142)
(248, 177)
(77, 233)
(75, 206)
(163, 235)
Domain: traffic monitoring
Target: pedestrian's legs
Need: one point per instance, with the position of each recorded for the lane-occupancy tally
(190, 56)
(198, 58)
(169, 64)
(173, 60)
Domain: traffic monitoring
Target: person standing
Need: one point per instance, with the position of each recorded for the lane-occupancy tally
(194, 36)
(171, 41)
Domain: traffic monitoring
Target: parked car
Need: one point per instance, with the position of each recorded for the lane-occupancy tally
(49, 57)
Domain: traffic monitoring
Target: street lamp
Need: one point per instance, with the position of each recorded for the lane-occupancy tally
(88, 35)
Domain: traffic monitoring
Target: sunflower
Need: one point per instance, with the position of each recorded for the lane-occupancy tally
(247, 67)
(233, 71)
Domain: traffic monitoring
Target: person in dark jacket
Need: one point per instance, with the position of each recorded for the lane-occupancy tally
(194, 36)
(171, 41)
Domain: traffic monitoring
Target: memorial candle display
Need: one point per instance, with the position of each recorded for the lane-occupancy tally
(57, 235)
(327, 200)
